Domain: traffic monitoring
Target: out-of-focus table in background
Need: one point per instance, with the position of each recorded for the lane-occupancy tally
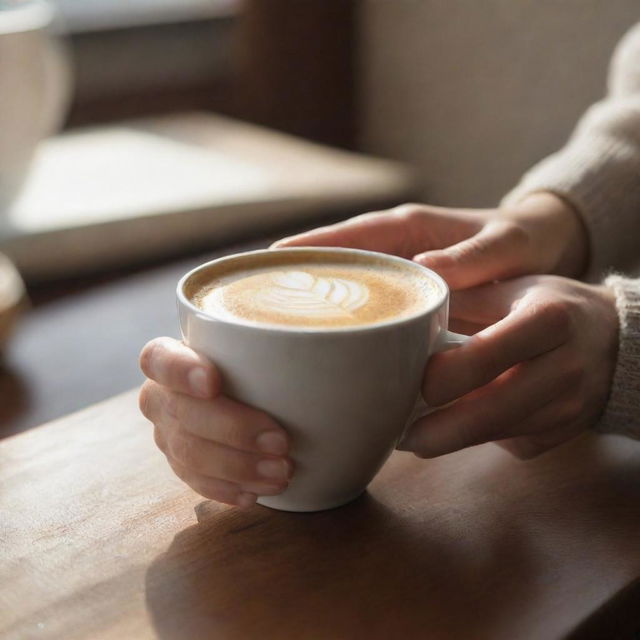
(139, 190)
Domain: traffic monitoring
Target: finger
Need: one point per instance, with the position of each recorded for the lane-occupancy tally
(554, 424)
(233, 424)
(494, 412)
(464, 327)
(496, 252)
(486, 304)
(192, 478)
(377, 231)
(403, 231)
(173, 365)
(535, 444)
(214, 488)
(529, 331)
(220, 420)
(215, 460)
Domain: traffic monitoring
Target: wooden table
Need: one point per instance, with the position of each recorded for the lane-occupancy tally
(100, 541)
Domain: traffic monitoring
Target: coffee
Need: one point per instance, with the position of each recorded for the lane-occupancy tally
(313, 290)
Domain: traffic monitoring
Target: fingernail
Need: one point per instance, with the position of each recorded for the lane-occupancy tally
(198, 382)
(425, 260)
(273, 469)
(246, 500)
(272, 442)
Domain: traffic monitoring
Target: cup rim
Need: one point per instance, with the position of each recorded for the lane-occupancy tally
(248, 324)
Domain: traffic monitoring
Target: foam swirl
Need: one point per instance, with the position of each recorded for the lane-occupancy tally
(302, 294)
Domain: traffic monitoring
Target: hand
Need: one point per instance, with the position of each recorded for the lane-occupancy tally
(468, 247)
(222, 449)
(537, 376)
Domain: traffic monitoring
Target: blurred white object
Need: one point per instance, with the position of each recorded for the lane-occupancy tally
(125, 193)
(34, 89)
(97, 15)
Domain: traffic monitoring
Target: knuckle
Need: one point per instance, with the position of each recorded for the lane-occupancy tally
(464, 250)
(409, 211)
(233, 432)
(514, 235)
(184, 449)
(573, 374)
(243, 468)
(573, 408)
(558, 316)
(171, 403)
(236, 466)
(471, 250)
(207, 488)
(177, 406)
(238, 426)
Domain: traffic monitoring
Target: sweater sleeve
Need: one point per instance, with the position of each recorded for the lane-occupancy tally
(598, 171)
(622, 413)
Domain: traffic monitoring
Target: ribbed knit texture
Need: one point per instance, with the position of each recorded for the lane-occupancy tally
(598, 172)
(622, 414)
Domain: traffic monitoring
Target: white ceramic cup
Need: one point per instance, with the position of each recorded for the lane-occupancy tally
(344, 395)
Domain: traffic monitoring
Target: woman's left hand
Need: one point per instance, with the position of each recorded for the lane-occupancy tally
(536, 374)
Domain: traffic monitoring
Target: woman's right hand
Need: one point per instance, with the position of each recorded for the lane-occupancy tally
(468, 247)
(221, 448)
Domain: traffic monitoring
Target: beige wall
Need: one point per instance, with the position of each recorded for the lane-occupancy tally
(472, 92)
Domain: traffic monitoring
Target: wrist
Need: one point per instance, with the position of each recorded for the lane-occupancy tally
(559, 240)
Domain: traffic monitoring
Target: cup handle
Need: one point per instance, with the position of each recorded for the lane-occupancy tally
(450, 340)
(446, 340)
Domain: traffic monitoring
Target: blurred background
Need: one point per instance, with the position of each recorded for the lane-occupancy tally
(140, 138)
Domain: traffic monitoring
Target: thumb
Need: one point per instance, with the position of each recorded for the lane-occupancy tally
(497, 252)
(378, 231)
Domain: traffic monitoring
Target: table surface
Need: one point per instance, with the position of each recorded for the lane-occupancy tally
(100, 541)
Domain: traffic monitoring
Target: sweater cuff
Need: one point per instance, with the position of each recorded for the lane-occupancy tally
(599, 177)
(622, 413)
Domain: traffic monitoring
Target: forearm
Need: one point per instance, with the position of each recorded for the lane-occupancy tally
(598, 172)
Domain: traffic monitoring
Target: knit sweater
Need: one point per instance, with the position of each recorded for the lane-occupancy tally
(598, 172)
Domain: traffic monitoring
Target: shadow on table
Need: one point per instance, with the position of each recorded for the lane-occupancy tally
(358, 571)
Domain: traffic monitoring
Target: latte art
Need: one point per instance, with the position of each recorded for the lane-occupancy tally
(314, 293)
(302, 294)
